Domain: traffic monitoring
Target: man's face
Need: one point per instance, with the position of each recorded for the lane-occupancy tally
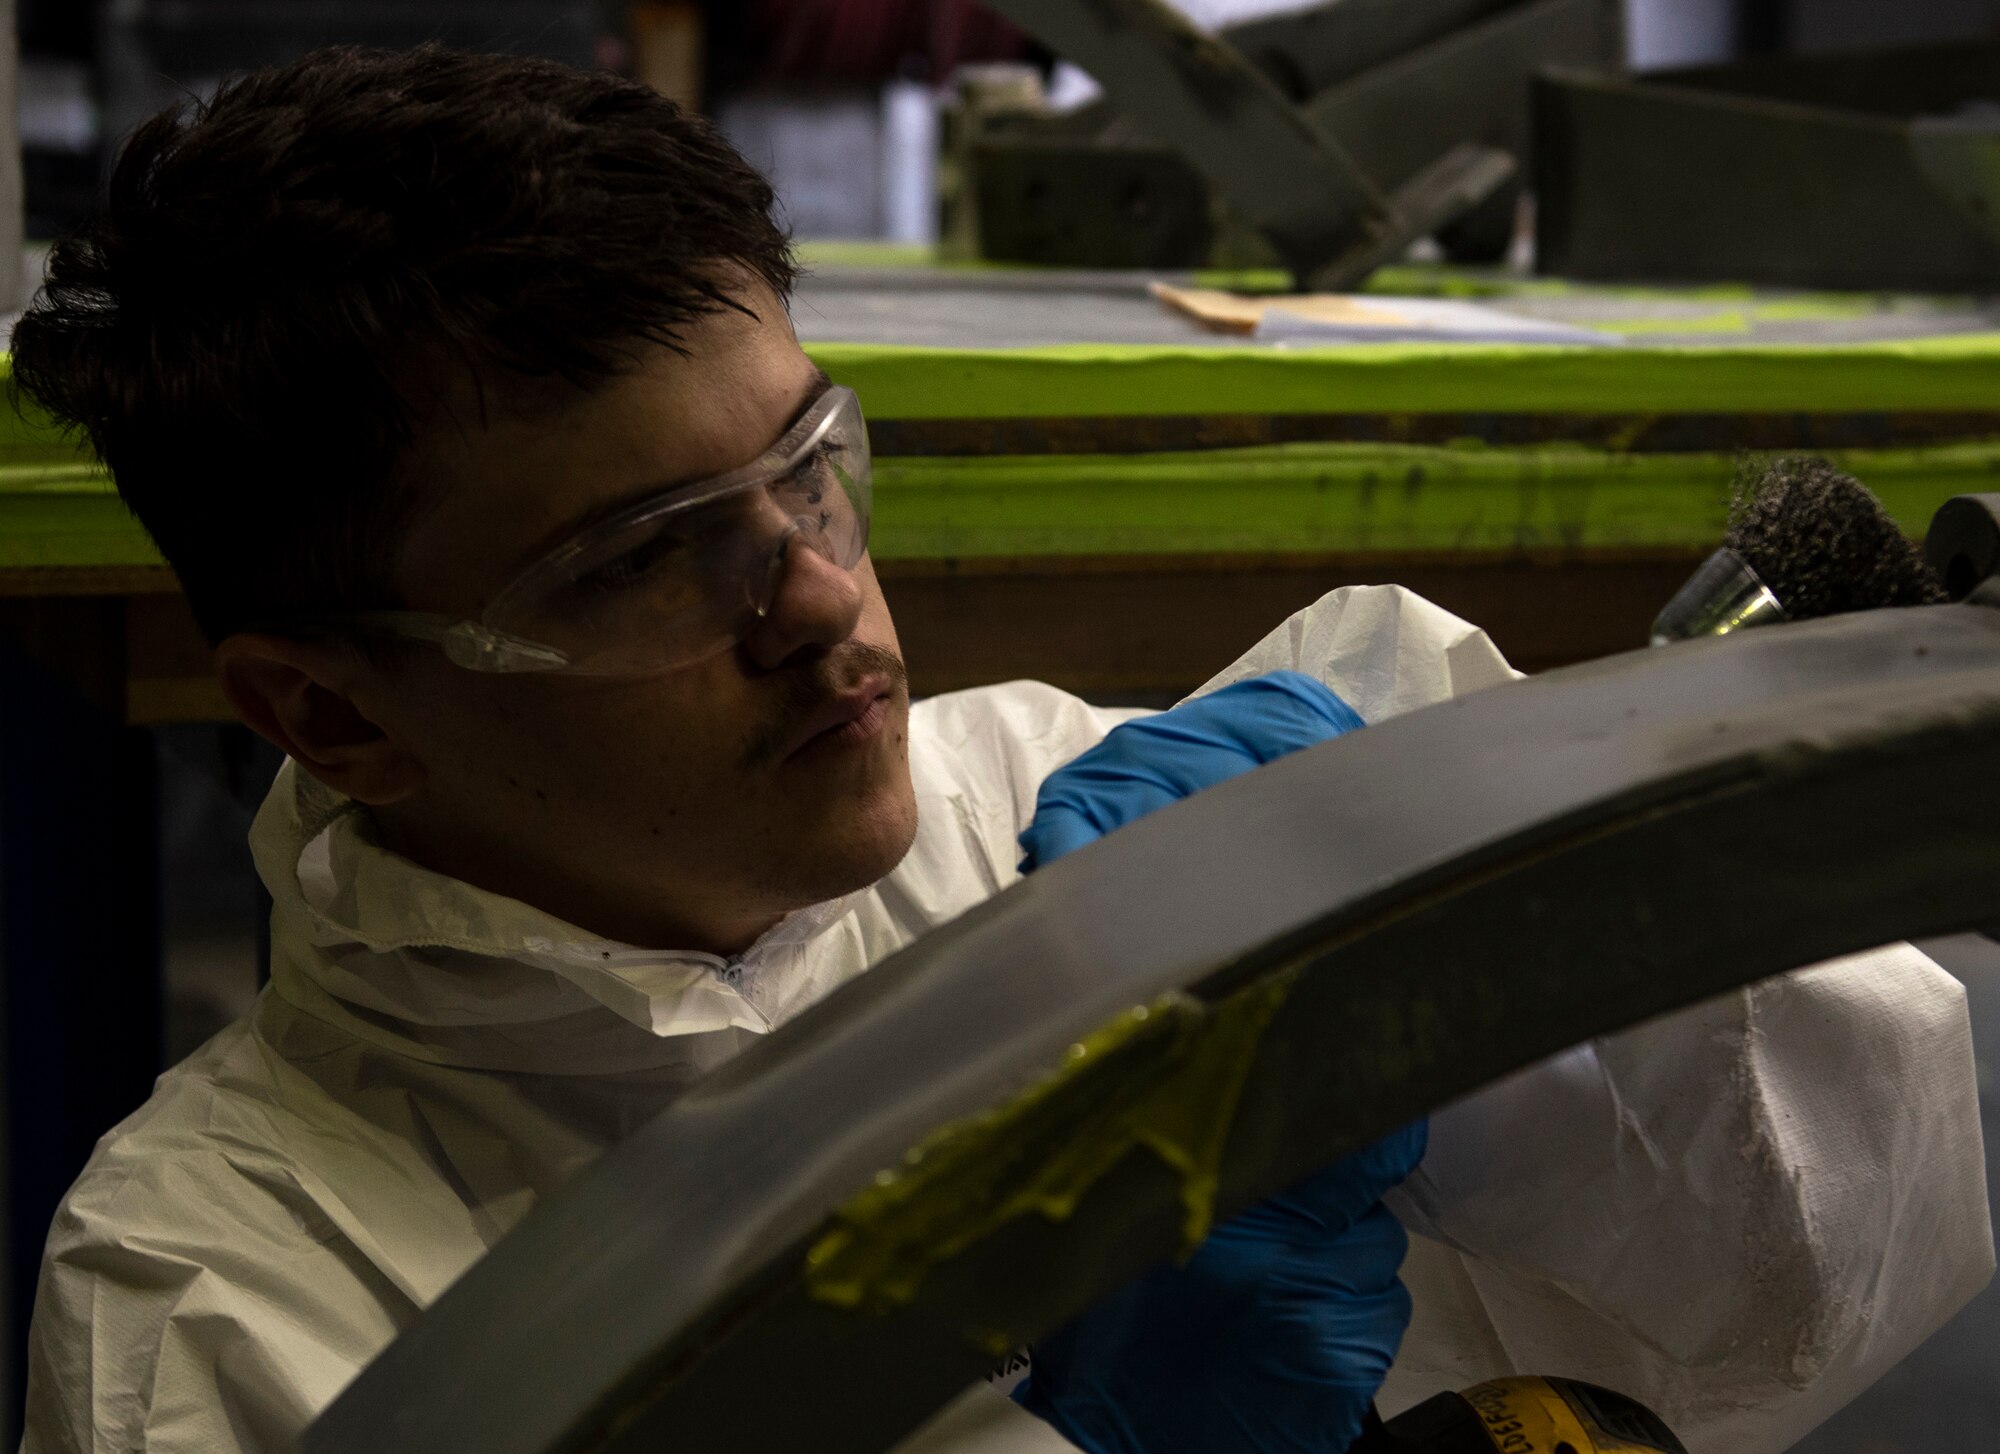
(686, 809)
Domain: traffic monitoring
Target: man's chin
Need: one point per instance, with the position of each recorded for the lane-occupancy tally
(864, 849)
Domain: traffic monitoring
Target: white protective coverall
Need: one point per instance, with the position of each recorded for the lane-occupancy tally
(1741, 1214)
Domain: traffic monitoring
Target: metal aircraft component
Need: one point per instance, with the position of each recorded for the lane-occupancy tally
(1446, 897)
(1902, 81)
(1963, 543)
(1452, 186)
(1068, 202)
(1723, 595)
(1388, 92)
(1644, 179)
(1307, 51)
(1960, 156)
(1201, 98)
(1472, 85)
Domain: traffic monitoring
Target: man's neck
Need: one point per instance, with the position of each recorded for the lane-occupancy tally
(642, 917)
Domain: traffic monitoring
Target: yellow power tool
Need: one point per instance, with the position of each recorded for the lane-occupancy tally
(1522, 1416)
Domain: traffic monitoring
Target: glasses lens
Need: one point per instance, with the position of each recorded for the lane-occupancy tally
(650, 588)
(686, 577)
(827, 491)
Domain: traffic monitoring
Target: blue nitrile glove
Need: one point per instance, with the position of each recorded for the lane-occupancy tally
(1279, 1330)
(1274, 1337)
(1154, 761)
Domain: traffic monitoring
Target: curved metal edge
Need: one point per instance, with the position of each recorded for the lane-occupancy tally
(1832, 723)
(1590, 916)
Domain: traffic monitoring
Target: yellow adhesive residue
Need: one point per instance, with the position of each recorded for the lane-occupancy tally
(1164, 1076)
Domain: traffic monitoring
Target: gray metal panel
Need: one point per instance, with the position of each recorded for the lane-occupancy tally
(1960, 156)
(153, 51)
(1904, 81)
(1459, 892)
(1638, 181)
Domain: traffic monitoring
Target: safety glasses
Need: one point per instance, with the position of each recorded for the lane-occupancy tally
(676, 578)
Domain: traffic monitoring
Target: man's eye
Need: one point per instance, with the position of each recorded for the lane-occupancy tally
(629, 569)
(808, 477)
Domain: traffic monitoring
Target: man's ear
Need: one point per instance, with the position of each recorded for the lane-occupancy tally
(299, 695)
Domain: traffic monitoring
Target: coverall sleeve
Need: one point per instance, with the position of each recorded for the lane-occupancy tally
(1011, 736)
(222, 1330)
(1383, 650)
(1742, 1213)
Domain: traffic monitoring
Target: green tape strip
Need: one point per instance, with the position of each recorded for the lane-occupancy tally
(58, 509)
(67, 514)
(1333, 498)
(1084, 380)
(1163, 1078)
(1303, 498)
(57, 506)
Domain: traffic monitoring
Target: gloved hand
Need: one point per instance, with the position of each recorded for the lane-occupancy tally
(1148, 763)
(1278, 1331)
(1274, 1337)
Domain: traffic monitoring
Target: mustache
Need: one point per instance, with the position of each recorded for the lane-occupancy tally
(806, 688)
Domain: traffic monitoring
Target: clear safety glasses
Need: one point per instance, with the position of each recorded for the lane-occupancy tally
(676, 578)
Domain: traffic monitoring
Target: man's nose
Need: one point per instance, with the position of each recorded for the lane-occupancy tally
(816, 603)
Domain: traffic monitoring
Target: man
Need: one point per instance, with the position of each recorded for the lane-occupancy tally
(461, 394)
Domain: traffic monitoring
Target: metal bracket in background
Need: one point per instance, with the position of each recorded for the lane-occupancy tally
(1308, 51)
(1473, 85)
(1446, 190)
(1446, 897)
(1199, 96)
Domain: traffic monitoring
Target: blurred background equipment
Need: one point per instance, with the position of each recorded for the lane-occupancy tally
(1287, 170)
(668, 38)
(1376, 92)
(1963, 543)
(1872, 169)
(1682, 138)
(1863, 169)
(151, 52)
(837, 101)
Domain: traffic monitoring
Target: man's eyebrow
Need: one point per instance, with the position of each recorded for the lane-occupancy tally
(816, 386)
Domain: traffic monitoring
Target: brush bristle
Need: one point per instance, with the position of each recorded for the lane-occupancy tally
(1823, 543)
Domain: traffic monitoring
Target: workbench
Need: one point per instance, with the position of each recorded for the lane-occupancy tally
(1123, 518)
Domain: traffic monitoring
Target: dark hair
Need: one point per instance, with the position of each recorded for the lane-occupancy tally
(240, 327)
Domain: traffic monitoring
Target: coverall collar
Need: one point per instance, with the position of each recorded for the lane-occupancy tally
(390, 938)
